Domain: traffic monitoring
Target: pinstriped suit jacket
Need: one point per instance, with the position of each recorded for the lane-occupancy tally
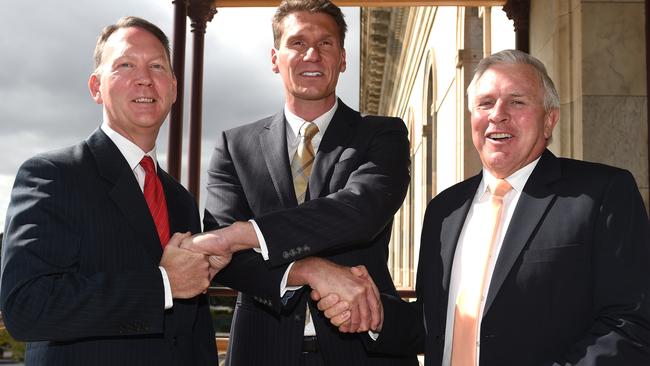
(358, 182)
(80, 279)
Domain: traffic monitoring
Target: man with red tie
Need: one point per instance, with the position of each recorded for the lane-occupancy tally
(90, 274)
(537, 260)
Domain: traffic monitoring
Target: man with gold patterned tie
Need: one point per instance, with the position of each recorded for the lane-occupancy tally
(90, 274)
(537, 260)
(320, 185)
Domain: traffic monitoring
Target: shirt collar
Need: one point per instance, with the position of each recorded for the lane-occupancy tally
(131, 152)
(321, 121)
(517, 179)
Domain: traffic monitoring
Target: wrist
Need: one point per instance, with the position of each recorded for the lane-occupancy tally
(303, 272)
(241, 236)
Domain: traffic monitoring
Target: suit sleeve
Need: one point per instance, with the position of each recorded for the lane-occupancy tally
(43, 293)
(353, 215)
(620, 334)
(226, 203)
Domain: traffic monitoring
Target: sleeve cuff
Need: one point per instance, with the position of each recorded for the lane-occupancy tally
(283, 284)
(262, 249)
(169, 302)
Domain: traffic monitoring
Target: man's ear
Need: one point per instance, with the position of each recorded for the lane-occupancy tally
(344, 63)
(93, 86)
(550, 120)
(274, 61)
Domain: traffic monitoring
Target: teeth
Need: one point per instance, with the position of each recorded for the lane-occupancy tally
(499, 136)
(308, 73)
(143, 100)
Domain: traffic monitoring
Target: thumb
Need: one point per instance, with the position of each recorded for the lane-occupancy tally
(175, 240)
(359, 271)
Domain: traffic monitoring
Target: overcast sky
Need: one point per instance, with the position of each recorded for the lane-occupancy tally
(46, 59)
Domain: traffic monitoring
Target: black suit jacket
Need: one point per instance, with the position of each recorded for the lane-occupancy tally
(80, 278)
(571, 284)
(358, 182)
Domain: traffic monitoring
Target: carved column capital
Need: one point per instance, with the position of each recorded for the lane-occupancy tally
(200, 13)
(519, 12)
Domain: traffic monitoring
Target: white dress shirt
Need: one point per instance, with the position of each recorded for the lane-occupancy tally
(133, 155)
(472, 235)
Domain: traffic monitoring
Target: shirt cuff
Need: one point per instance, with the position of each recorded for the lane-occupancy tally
(283, 284)
(374, 336)
(169, 302)
(262, 249)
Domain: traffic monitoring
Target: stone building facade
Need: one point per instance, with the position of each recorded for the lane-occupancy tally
(417, 62)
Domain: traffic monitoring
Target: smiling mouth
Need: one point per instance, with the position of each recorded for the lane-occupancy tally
(499, 136)
(143, 100)
(311, 73)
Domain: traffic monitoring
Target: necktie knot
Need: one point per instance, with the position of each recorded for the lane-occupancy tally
(500, 188)
(147, 164)
(308, 130)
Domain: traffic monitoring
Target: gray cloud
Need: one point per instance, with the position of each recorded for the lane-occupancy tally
(47, 57)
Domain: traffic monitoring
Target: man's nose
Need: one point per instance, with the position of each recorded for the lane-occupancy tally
(143, 77)
(312, 54)
(499, 112)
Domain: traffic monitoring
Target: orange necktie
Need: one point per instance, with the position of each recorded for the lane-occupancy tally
(155, 197)
(468, 304)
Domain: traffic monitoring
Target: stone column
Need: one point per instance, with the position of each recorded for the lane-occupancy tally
(200, 12)
(596, 54)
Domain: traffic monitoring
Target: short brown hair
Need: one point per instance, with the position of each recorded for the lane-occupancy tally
(312, 6)
(129, 22)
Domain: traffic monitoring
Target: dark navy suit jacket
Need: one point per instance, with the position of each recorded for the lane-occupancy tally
(571, 285)
(80, 278)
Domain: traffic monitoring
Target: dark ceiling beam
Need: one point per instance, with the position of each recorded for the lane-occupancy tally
(366, 3)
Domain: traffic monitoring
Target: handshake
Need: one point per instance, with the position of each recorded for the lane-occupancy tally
(346, 295)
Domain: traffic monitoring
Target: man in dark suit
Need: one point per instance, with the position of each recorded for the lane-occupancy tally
(307, 233)
(566, 281)
(85, 279)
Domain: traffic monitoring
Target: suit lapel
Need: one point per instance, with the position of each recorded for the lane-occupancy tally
(531, 207)
(179, 217)
(273, 140)
(338, 133)
(125, 191)
(452, 226)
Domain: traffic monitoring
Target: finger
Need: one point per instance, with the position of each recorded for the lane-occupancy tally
(176, 239)
(355, 317)
(336, 310)
(345, 327)
(360, 271)
(341, 319)
(364, 313)
(327, 301)
(315, 295)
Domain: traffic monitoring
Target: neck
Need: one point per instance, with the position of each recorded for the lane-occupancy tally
(145, 139)
(309, 110)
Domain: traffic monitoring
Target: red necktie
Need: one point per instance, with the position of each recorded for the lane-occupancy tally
(155, 197)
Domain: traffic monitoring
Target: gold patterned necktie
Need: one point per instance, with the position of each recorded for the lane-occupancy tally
(303, 160)
(472, 287)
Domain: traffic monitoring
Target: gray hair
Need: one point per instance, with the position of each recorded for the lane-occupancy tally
(551, 97)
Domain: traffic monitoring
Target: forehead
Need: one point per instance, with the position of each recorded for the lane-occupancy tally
(125, 41)
(517, 78)
(304, 23)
